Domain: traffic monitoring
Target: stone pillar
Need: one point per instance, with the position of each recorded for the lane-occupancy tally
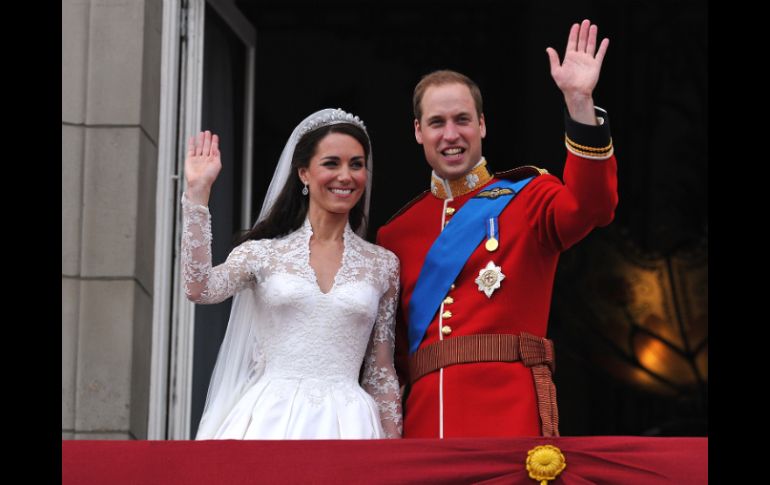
(110, 104)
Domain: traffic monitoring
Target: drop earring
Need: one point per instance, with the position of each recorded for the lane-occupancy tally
(305, 190)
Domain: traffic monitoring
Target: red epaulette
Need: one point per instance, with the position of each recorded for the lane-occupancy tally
(407, 206)
(519, 173)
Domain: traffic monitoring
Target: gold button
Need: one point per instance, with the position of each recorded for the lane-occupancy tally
(447, 314)
(448, 300)
(452, 287)
(450, 211)
(446, 329)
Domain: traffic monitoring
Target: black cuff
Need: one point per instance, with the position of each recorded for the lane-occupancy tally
(589, 141)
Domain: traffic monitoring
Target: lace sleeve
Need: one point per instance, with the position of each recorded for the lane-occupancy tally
(204, 284)
(379, 375)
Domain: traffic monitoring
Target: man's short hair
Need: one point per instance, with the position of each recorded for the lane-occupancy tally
(439, 78)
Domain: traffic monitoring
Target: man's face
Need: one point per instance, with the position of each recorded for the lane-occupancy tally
(450, 131)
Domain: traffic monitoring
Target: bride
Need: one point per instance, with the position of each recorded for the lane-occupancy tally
(313, 300)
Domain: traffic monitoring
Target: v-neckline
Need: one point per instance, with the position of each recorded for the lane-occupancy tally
(342, 260)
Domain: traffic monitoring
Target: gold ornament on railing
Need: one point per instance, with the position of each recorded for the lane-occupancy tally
(545, 463)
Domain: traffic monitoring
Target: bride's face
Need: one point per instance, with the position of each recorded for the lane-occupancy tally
(336, 176)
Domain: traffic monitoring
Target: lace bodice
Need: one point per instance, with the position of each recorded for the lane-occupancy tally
(305, 333)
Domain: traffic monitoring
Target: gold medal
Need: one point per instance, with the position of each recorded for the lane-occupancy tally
(492, 242)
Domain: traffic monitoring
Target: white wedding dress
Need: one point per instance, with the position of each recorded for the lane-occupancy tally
(308, 347)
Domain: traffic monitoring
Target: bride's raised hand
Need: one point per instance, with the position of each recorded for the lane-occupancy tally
(201, 166)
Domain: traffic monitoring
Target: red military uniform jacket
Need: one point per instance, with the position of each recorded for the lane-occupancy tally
(544, 219)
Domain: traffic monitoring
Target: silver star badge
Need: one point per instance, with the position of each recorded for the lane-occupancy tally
(489, 278)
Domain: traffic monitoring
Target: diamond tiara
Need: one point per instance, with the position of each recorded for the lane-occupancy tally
(330, 118)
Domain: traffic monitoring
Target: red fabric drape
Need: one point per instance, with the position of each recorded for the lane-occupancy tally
(590, 460)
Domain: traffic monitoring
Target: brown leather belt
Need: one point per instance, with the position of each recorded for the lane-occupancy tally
(534, 352)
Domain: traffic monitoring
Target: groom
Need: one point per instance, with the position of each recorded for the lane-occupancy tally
(479, 251)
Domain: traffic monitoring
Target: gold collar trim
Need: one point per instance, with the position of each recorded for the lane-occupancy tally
(449, 189)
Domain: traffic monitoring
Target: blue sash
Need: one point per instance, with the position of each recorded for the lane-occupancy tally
(451, 250)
